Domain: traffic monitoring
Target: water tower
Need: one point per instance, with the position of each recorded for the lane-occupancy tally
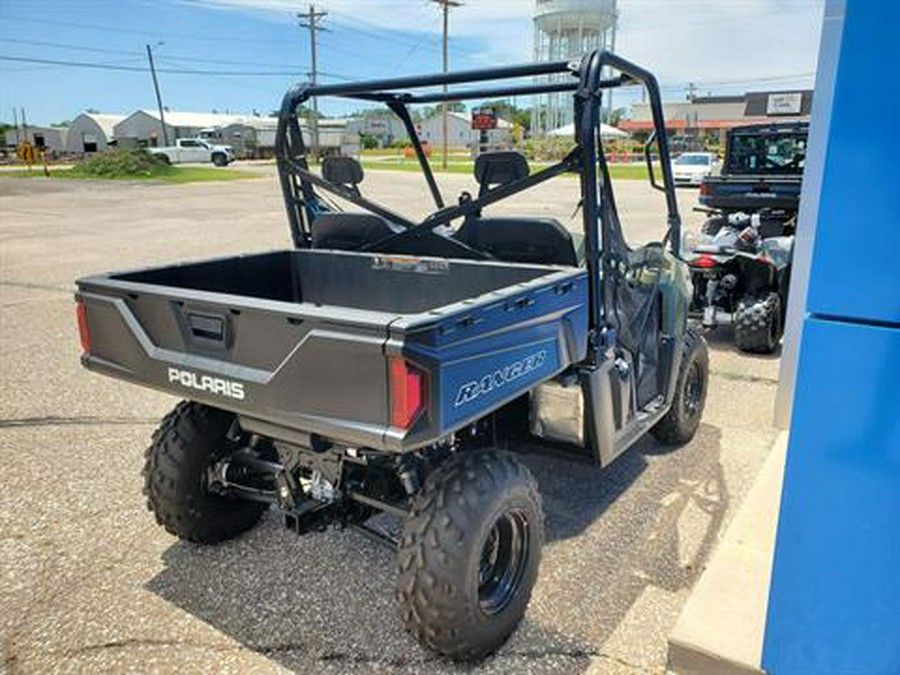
(566, 29)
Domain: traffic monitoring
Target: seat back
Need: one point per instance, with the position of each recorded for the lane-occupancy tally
(345, 171)
(350, 231)
(542, 241)
(499, 168)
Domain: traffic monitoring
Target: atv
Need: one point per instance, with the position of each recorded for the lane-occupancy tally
(741, 277)
(387, 365)
(741, 261)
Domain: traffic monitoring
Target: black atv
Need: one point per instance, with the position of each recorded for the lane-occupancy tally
(740, 264)
(741, 277)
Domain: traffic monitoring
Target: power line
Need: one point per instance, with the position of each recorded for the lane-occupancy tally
(138, 69)
(179, 36)
(100, 50)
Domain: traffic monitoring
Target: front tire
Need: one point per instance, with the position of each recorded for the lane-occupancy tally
(680, 423)
(219, 159)
(470, 553)
(757, 324)
(187, 442)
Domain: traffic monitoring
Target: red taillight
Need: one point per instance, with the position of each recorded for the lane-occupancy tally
(407, 392)
(704, 189)
(704, 261)
(83, 331)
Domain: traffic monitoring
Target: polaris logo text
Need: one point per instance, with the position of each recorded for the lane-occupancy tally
(208, 383)
(500, 377)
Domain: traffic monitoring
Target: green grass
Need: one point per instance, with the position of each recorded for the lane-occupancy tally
(136, 164)
(617, 171)
(165, 174)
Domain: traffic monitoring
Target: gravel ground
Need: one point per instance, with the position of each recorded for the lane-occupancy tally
(88, 582)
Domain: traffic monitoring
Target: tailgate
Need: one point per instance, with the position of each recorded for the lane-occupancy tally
(299, 366)
(751, 192)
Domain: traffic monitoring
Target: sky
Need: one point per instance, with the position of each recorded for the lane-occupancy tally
(59, 57)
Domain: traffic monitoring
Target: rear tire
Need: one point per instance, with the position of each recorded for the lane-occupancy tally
(219, 159)
(469, 554)
(164, 159)
(187, 442)
(682, 420)
(757, 324)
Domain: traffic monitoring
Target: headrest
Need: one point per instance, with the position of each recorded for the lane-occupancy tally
(500, 167)
(342, 170)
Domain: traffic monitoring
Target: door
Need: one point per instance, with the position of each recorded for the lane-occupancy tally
(193, 151)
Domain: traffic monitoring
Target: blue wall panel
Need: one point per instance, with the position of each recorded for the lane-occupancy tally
(834, 604)
(856, 259)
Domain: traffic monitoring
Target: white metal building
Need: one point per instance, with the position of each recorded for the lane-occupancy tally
(251, 137)
(143, 127)
(91, 132)
(49, 138)
(460, 132)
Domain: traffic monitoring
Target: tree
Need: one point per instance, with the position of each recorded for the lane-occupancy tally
(613, 118)
(509, 111)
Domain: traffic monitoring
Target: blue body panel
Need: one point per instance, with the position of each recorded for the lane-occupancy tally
(484, 355)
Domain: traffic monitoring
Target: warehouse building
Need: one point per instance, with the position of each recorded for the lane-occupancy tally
(91, 132)
(251, 137)
(51, 139)
(143, 127)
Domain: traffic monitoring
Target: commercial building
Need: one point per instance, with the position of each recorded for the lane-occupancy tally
(714, 115)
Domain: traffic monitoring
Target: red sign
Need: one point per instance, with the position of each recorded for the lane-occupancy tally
(484, 120)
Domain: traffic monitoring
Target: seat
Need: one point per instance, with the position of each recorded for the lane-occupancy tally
(519, 239)
(343, 171)
(350, 231)
(542, 241)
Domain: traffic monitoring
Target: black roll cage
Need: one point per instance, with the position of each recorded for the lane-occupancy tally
(597, 200)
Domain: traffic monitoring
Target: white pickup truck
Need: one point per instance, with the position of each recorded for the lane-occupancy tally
(195, 150)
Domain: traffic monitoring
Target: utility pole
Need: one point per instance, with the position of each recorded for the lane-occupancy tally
(445, 6)
(16, 125)
(692, 88)
(159, 105)
(310, 21)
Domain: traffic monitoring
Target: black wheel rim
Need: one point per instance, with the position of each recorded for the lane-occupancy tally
(503, 559)
(693, 390)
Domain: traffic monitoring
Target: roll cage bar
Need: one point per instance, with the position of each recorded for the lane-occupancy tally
(597, 200)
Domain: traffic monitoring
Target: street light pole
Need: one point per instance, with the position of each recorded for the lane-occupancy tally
(159, 105)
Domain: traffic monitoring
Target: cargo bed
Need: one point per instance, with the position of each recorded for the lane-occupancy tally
(300, 342)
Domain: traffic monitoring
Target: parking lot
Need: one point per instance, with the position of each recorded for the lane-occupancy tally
(90, 583)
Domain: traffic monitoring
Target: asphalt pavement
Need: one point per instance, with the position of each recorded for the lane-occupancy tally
(89, 583)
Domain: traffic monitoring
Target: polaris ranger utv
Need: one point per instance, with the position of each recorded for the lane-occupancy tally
(389, 365)
(741, 261)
